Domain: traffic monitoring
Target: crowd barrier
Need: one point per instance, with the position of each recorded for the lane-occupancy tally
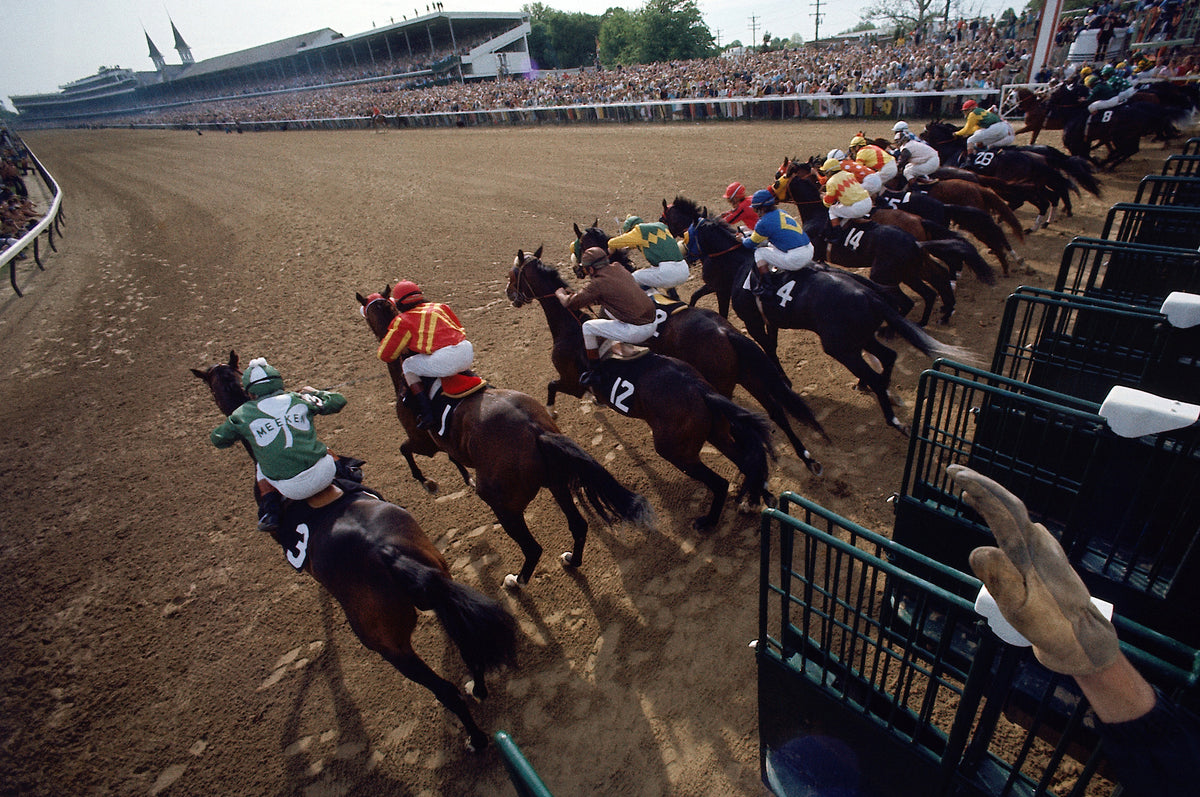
(50, 224)
(891, 106)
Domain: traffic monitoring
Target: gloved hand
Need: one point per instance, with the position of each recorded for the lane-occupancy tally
(1034, 585)
(748, 242)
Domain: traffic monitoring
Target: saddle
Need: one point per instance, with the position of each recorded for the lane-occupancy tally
(296, 517)
(445, 394)
(615, 380)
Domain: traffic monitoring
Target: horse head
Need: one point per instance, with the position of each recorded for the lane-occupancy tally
(713, 237)
(225, 382)
(681, 214)
(378, 310)
(531, 279)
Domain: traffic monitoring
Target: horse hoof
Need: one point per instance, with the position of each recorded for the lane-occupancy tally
(902, 428)
(476, 689)
(568, 559)
(512, 582)
(815, 468)
(430, 486)
(477, 745)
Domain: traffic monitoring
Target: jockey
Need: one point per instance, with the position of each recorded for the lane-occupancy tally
(667, 267)
(787, 246)
(859, 170)
(1108, 91)
(984, 128)
(881, 163)
(629, 312)
(844, 194)
(741, 215)
(278, 426)
(432, 341)
(914, 156)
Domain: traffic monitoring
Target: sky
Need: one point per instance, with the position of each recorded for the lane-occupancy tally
(46, 43)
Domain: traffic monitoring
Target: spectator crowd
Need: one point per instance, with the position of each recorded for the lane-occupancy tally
(967, 55)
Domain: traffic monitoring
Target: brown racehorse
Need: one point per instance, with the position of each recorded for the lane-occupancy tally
(724, 356)
(682, 410)
(375, 560)
(517, 449)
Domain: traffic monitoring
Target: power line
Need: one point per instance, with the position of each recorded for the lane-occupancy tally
(753, 30)
(817, 17)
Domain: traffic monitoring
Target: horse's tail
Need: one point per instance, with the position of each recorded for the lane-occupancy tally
(921, 340)
(482, 629)
(567, 464)
(758, 372)
(1080, 171)
(980, 224)
(957, 253)
(1000, 209)
(751, 439)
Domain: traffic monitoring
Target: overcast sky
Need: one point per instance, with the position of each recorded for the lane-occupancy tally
(46, 43)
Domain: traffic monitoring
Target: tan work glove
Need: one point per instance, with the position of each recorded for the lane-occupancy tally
(1037, 590)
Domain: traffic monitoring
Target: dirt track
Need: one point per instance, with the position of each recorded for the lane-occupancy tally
(156, 644)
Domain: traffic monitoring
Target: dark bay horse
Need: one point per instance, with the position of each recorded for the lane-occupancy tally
(682, 410)
(845, 311)
(724, 356)
(375, 560)
(1120, 129)
(517, 449)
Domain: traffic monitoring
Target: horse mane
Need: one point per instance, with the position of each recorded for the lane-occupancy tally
(688, 206)
(548, 272)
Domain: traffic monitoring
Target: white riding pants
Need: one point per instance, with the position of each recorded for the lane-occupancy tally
(597, 329)
(666, 274)
(856, 211)
(791, 260)
(446, 361)
(306, 483)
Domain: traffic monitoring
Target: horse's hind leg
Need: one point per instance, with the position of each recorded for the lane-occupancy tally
(429, 484)
(876, 382)
(576, 524)
(716, 484)
(515, 527)
(417, 671)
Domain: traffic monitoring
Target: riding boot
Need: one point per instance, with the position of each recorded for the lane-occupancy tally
(270, 505)
(588, 375)
(425, 418)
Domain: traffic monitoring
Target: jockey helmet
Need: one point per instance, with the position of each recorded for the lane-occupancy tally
(830, 166)
(1090, 81)
(260, 378)
(763, 198)
(407, 295)
(900, 126)
(970, 105)
(836, 154)
(858, 141)
(736, 192)
(594, 257)
(630, 222)
(1107, 70)
(1084, 72)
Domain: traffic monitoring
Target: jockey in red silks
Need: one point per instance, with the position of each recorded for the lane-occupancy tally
(741, 213)
(433, 339)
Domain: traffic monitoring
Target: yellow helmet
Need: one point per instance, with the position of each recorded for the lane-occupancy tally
(1087, 70)
(858, 141)
(830, 166)
(1090, 81)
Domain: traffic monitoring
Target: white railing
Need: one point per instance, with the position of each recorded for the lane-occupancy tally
(50, 224)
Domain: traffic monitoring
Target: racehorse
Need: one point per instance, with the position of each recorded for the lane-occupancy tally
(1041, 175)
(682, 410)
(709, 343)
(375, 560)
(893, 256)
(845, 311)
(1120, 129)
(517, 449)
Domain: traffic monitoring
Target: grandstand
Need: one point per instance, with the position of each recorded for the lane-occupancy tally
(437, 47)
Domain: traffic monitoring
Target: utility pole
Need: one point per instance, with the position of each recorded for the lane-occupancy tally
(817, 16)
(753, 30)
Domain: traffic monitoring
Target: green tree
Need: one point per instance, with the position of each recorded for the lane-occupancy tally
(561, 40)
(663, 30)
(618, 38)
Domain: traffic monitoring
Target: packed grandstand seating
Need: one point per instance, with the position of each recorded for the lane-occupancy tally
(969, 56)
